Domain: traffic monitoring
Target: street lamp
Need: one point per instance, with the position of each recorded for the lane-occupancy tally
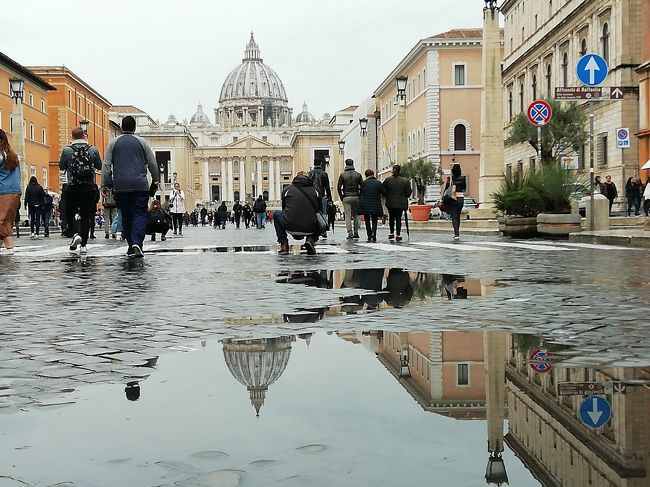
(495, 472)
(491, 4)
(327, 159)
(84, 126)
(17, 86)
(401, 87)
(363, 123)
(175, 176)
(341, 145)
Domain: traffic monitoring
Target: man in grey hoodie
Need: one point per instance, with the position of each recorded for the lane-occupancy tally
(125, 165)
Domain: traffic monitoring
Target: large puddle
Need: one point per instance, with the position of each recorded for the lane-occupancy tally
(344, 409)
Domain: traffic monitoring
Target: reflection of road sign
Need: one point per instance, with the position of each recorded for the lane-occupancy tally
(590, 388)
(595, 93)
(592, 69)
(595, 411)
(622, 138)
(569, 162)
(539, 113)
(541, 361)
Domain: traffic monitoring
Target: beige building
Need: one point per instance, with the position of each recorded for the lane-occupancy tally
(544, 41)
(443, 100)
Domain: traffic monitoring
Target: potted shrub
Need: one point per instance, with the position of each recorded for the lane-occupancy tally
(555, 186)
(423, 174)
(519, 205)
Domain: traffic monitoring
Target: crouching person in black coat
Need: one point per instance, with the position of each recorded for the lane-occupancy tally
(300, 201)
(158, 221)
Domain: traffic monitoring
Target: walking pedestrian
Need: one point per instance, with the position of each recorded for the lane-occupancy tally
(633, 195)
(9, 194)
(177, 208)
(300, 203)
(610, 192)
(110, 210)
(34, 200)
(158, 221)
(95, 213)
(237, 209)
(221, 216)
(127, 159)
(322, 184)
(348, 187)
(398, 190)
(247, 212)
(17, 222)
(646, 198)
(204, 216)
(259, 208)
(79, 160)
(454, 197)
(46, 214)
(370, 205)
(331, 215)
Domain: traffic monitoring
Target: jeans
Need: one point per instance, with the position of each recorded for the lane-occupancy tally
(34, 219)
(79, 198)
(237, 219)
(280, 232)
(455, 209)
(371, 225)
(116, 226)
(395, 220)
(633, 201)
(109, 217)
(351, 206)
(259, 218)
(45, 216)
(177, 221)
(134, 216)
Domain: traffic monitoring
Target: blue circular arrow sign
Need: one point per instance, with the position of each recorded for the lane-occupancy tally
(595, 411)
(592, 69)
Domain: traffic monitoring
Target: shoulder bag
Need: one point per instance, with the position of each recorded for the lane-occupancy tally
(320, 220)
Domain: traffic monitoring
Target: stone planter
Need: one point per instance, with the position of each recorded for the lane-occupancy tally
(559, 224)
(420, 213)
(518, 226)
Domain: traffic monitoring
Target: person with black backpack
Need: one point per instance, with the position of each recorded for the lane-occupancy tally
(259, 208)
(322, 184)
(79, 161)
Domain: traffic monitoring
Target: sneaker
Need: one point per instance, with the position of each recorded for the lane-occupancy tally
(114, 236)
(129, 252)
(153, 238)
(391, 237)
(92, 237)
(309, 246)
(350, 237)
(356, 235)
(456, 237)
(175, 232)
(163, 238)
(137, 251)
(83, 249)
(106, 236)
(284, 249)
(7, 252)
(76, 240)
(32, 235)
(398, 238)
(374, 239)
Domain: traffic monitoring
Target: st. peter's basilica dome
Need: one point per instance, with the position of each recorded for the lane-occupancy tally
(200, 118)
(305, 117)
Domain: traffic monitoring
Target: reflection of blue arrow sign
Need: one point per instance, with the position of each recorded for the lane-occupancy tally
(595, 411)
(592, 69)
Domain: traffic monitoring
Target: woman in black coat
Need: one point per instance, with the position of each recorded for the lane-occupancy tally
(370, 203)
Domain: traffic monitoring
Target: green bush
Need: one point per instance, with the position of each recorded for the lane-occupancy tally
(521, 202)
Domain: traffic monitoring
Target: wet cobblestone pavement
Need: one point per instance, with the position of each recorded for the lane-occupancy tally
(75, 330)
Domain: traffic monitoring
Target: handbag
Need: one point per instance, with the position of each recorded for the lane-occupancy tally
(449, 194)
(320, 220)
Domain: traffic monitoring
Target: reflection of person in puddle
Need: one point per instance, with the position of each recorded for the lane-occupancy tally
(451, 283)
(132, 391)
(398, 285)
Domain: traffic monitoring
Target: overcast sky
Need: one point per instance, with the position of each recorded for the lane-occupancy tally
(165, 56)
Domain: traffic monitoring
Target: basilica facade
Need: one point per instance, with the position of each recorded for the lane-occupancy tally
(252, 146)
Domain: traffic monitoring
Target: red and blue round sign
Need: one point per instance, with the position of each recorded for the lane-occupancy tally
(539, 113)
(541, 361)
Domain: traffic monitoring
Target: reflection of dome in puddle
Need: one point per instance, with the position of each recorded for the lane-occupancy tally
(257, 364)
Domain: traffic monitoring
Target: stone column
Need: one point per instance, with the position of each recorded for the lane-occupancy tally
(231, 182)
(272, 196)
(242, 180)
(401, 149)
(18, 142)
(259, 177)
(245, 116)
(222, 180)
(494, 350)
(492, 153)
(278, 179)
(260, 116)
(207, 187)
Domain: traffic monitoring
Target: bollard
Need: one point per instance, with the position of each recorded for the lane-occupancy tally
(601, 213)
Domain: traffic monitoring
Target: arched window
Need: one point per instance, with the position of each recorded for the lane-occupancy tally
(236, 196)
(583, 47)
(521, 95)
(265, 195)
(286, 167)
(534, 87)
(265, 166)
(510, 104)
(565, 69)
(235, 167)
(460, 137)
(605, 42)
(549, 73)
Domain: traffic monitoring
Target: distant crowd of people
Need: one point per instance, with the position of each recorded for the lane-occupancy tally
(636, 192)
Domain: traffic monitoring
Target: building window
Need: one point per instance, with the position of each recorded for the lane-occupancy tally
(459, 75)
(583, 47)
(602, 148)
(510, 104)
(535, 21)
(550, 8)
(69, 99)
(31, 100)
(11, 123)
(523, 34)
(605, 42)
(265, 138)
(32, 171)
(234, 139)
(549, 73)
(460, 137)
(31, 131)
(44, 180)
(531, 164)
(42, 105)
(44, 136)
(462, 375)
(565, 69)
(521, 95)
(534, 87)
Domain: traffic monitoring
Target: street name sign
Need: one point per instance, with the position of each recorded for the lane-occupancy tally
(592, 69)
(539, 113)
(623, 138)
(590, 388)
(595, 411)
(541, 361)
(595, 93)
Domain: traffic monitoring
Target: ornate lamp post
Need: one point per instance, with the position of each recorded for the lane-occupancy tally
(341, 146)
(363, 125)
(84, 126)
(17, 91)
(400, 83)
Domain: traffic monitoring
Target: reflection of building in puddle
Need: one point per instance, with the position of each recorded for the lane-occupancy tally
(257, 364)
(443, 371)
(546, 433)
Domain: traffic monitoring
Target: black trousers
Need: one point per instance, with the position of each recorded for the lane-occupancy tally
(177, 221)
(371, 225)
(79, 198)
(161, 228)
(455, 209)
(395, 220)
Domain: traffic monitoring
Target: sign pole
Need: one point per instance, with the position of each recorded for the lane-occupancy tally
(539, 145)
(591, 164)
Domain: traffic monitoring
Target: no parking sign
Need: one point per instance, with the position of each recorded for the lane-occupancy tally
(623, 138)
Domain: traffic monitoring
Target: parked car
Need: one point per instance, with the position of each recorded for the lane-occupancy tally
(436, 214)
